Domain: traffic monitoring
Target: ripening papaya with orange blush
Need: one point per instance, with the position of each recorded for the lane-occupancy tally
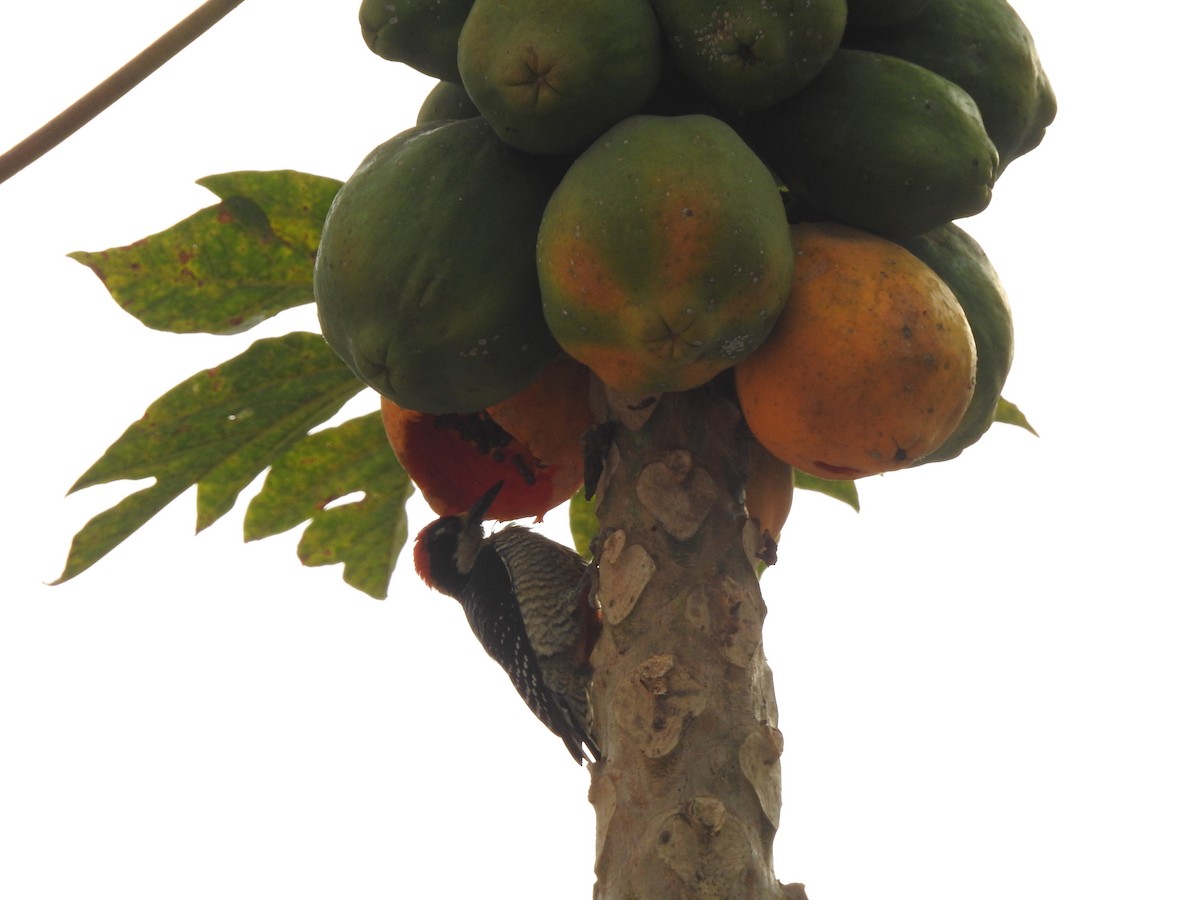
(663, 255)
(870, 366)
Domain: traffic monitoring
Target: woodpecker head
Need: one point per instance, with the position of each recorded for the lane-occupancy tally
(445, 550)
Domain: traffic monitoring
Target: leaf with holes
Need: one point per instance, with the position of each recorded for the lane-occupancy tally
(217, 430)
(335, 464)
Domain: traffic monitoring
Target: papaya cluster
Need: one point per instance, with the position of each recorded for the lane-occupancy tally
(658, 193)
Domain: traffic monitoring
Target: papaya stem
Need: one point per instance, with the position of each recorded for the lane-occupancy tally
(114, 87)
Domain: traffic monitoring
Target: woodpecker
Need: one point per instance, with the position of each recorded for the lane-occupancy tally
(528, 600)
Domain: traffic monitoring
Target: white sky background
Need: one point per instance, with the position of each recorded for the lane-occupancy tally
(987, 679)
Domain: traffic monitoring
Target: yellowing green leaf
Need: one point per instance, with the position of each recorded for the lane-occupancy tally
(584, 524)
(229, 266)
(365, 534)
(846, 491)
(1009, 414)
(218, 429)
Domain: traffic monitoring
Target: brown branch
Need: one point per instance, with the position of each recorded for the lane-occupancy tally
(114, 87)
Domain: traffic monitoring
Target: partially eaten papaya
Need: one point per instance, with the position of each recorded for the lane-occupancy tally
(531, 442)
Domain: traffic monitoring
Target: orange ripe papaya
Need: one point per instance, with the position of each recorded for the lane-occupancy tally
(870, 366)
(551, 415)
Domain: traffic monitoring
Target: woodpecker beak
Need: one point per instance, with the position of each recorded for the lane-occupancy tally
(476, 513)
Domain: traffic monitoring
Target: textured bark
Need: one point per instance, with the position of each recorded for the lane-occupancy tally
(687, 794)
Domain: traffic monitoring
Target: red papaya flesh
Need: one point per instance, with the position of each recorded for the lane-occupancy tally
(454, 458)
(425, 279)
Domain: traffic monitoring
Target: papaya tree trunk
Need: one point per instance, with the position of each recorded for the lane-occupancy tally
(687, 794)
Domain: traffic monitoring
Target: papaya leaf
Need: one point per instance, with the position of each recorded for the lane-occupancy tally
(846, 491)
(217, 429)
(584, 524)
(1009, 414)
(365, 534)
(295, 203)
(230, 266)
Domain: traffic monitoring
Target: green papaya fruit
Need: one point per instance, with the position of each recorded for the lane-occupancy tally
(550, 76)
(419, 33)
(960, 262)
(881, 13)
(984, 48)
(879, 143)
(678, 95)
(425, 277)
(751, 54)
(446, 100)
